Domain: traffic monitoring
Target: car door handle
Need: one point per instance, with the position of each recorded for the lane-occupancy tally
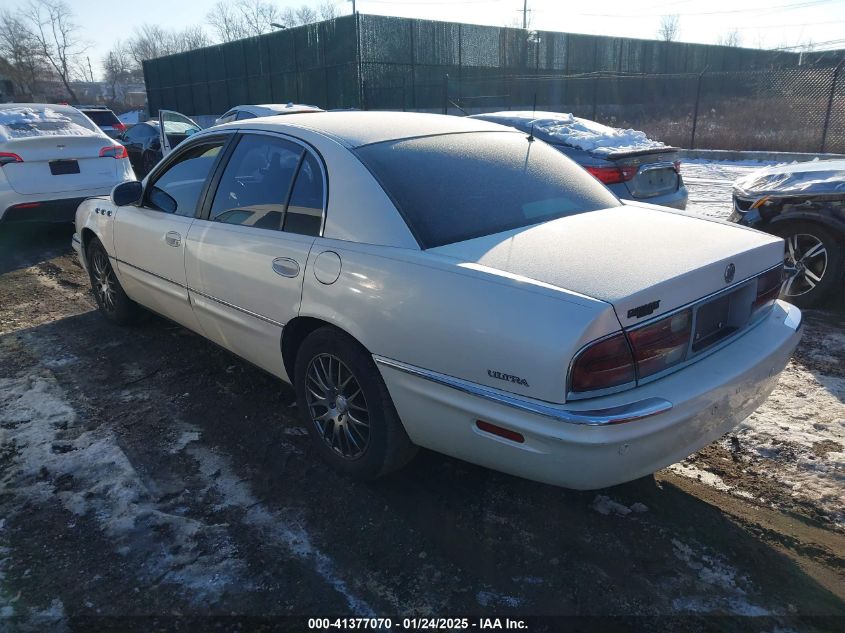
(173, 238)
(286, 267)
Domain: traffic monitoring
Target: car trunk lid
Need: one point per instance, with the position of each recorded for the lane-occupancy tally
(656, 170)
(51, 164)
(643, 260)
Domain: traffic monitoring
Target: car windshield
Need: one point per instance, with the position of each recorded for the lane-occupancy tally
(455, 187)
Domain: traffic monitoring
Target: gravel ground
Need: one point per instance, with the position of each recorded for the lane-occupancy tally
(146, 472)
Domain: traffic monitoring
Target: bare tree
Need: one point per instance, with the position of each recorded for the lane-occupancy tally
(24, 64)
(328, 10)
(227, 21)
(670, 28)
(305, 15)
(57, 36)
(119, 69)
(731, 38)
(245, 18)
(150, 41)
(258, 16)
(190, 38)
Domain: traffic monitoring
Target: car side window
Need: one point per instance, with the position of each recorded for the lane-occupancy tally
(256, 183)
(243, 114)
(177, 190)
(305, 209)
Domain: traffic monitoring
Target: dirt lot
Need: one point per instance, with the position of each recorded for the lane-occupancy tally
(146, 472)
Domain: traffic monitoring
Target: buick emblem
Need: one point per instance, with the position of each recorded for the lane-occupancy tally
(730, 271)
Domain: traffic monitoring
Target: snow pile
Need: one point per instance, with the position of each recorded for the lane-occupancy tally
(591, 136)
(25, 122)
(817, 176)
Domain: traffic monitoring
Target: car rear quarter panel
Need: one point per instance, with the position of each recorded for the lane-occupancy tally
(427, 311)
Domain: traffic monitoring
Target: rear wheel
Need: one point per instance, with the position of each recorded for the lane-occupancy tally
(109, 294)
(813, 260)
(347, 408)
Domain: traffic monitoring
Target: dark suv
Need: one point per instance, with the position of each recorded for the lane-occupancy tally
(104, 119)
(803, 203)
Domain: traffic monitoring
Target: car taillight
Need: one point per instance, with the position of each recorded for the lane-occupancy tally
(677, 166)
(114, 151)
(7, 157)
(120, 127)
(662, 344)
(613, 175)
(768, 287)
(604, 364)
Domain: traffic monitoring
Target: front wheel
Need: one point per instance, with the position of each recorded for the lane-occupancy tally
(109, 294)
(813, 260)
(347, 408)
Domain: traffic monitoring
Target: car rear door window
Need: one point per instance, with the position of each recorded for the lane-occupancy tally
(305, 209)
(256, 183)
(177, 189)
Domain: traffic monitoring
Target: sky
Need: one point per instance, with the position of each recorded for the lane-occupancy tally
(760, 23)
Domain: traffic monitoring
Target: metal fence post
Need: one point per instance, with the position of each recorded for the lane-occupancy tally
(446, 93)
(695, 110)
(830, 103)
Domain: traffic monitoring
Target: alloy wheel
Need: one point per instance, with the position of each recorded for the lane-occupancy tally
(104, 282)
(805, 263)
(337, 406)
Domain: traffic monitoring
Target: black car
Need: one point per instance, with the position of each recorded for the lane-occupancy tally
(803, 203)
(104, 119)
(143, 141)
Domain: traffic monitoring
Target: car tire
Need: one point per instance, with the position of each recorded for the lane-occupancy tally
(815, 254)
(108, 293)
(346, 407)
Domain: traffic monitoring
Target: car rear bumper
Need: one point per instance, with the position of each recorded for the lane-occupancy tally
(16, 207)
(604, 441)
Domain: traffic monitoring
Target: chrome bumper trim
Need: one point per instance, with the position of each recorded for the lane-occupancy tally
(794, 319)
(596, 417)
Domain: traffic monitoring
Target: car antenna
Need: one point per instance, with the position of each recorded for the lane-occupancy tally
(533, 112)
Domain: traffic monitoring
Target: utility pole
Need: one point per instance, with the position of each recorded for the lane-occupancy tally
(524, 13)
(353, 7)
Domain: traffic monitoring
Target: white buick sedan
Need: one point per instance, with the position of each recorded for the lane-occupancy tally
(426, 280)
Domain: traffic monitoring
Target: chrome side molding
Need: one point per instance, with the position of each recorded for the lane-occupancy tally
(596, 417)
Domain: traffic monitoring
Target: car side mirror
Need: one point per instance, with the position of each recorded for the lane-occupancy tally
(127, 193)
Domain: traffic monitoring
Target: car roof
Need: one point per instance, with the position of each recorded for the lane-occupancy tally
(357, 128)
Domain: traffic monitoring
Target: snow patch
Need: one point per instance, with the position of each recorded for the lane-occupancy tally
(606, 506)
(723, 588)
(593, 137)
(25, 121)
(88, 473)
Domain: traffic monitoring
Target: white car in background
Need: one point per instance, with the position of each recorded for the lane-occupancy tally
(427, 280)
(242, 112)
(51, 158)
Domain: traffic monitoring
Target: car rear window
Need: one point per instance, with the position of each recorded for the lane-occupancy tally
(23, 122)
(101, 117)
(454, 187)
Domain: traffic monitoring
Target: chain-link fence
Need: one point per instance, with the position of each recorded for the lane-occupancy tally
(685, 94)
(793, 109)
